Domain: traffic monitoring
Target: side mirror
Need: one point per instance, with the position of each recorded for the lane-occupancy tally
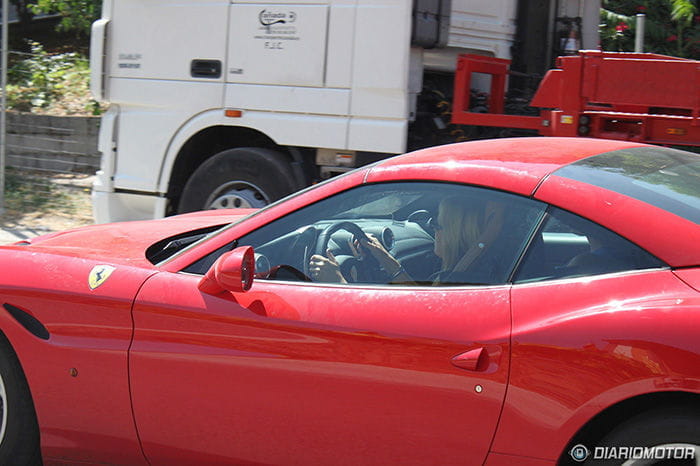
(233, 271)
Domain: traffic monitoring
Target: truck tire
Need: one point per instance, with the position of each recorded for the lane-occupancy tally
(245, 177)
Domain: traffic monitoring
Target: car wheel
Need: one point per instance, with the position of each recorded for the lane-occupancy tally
(19, 431)
(674, 434)
(248, 177)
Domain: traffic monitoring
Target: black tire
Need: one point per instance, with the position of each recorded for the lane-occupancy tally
(19, 441)
(236, 178)
(672, 426)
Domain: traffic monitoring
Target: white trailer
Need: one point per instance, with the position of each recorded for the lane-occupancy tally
(230, 103)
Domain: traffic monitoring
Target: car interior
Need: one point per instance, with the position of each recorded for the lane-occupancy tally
(528, 242)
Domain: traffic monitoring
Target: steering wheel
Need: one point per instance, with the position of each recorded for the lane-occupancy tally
(303, 247)
(369, 265)
(325, 236)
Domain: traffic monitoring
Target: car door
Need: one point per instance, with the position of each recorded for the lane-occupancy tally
(321, 373)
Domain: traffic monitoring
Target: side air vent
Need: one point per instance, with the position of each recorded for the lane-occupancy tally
(28, 321)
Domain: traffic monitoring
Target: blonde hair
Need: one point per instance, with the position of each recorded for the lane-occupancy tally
(461, 228)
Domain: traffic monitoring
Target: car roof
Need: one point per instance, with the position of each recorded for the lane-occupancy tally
(512, 164)
(527, 166)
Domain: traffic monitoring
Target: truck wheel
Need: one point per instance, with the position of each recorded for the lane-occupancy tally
(19, 431)
(245, 177)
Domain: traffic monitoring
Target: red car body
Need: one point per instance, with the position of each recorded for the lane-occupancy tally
(146, 368)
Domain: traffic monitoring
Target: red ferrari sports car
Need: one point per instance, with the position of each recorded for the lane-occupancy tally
(522, 301)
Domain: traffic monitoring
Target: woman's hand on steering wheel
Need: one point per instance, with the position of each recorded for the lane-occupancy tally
(375, 248)
(325, 269)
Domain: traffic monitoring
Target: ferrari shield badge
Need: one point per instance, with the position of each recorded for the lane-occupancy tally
(98, 275)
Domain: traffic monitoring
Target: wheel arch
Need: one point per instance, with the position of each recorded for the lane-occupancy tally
(10, 342)
(210, 140)
(6, 343)
(604, 422)
(32, 437)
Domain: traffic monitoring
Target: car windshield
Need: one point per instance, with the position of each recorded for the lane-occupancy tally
(663, 177)
(379, 204)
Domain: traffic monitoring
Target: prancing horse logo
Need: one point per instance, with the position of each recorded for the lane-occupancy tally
(98, 275)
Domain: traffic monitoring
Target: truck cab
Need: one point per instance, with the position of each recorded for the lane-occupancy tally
(224, 104)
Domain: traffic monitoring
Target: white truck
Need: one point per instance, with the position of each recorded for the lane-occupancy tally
(231, 103)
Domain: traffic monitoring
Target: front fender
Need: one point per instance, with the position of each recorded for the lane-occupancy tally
(77, 371)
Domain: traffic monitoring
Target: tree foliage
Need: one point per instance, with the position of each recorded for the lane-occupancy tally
(76, 15)
(42, 78)
(672, 26)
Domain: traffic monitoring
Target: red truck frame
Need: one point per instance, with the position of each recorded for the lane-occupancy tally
(640, 97)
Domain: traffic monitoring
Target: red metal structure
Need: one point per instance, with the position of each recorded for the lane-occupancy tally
(640, 97)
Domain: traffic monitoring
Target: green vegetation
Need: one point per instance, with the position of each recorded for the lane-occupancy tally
(672, 26)
(76, 15)
(40, 81)
(51, 77)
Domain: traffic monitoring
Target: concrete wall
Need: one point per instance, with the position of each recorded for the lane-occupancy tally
(62, 144)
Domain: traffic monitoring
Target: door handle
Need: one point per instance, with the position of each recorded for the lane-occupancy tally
(205, 69)
(470, 360)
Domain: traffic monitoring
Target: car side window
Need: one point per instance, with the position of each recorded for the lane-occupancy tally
(431, 233)
(567, 246)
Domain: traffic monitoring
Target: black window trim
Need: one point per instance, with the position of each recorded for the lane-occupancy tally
(528, 244)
